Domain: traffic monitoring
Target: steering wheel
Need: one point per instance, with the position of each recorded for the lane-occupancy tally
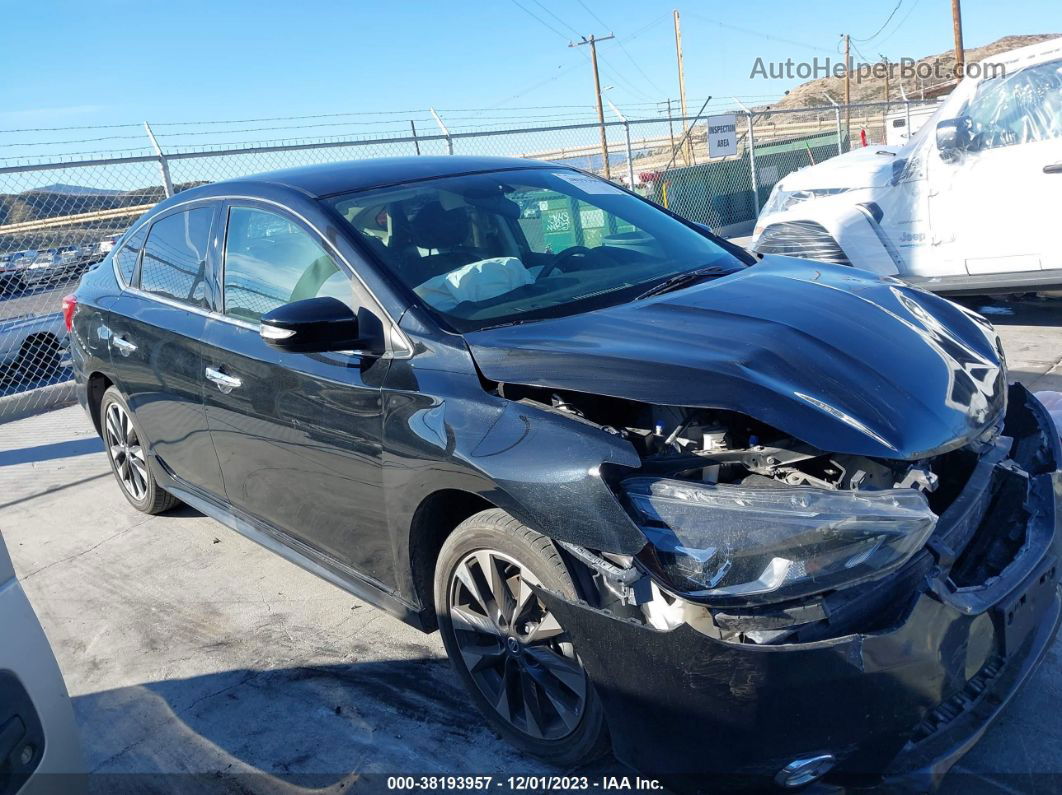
(564, 256)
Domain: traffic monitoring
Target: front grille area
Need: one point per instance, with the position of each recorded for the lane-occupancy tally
(805, 239)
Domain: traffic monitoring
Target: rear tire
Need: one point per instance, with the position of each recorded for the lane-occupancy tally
(122, 440)
(514, 658)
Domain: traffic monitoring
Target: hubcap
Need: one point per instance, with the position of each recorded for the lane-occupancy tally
(125, 451)
(515, 650)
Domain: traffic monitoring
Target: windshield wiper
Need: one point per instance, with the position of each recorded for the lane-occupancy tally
(684, 279)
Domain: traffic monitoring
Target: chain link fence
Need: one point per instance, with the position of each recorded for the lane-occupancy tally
(58, 219)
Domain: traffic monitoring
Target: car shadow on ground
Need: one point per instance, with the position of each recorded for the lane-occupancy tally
(48, 452)
(340, 727)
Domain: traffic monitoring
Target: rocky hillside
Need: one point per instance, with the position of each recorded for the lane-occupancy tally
(868, 88)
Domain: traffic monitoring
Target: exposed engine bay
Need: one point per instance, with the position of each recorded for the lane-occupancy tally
(693, 460)
(712, 446)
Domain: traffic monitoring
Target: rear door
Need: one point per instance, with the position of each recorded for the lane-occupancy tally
(156, 328)
(298, 435)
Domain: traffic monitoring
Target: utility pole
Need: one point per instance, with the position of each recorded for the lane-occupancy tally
(592, 41)
(847, 89)
(956, 23)
(682, 83)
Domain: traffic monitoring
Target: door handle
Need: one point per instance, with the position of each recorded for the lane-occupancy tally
(225, 382)
(1053, 168)
(124, 346)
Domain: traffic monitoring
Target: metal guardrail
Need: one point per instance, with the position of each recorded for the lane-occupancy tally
(72, 209)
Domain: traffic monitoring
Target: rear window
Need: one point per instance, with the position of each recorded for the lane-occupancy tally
(175, 257)
(126, 256)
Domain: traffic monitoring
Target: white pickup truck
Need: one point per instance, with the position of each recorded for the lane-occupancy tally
(968, 205)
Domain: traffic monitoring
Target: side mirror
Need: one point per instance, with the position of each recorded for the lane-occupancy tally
(313, 325)
(953, 137)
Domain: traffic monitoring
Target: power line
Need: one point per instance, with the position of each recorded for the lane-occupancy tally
(884, 24)
(758, 34)
(589, 11)
(539, 84)
(901, 23)
(623, 48)
(539, 19)
(565, 24)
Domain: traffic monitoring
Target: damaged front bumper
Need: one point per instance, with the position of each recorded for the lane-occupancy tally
(902, 701)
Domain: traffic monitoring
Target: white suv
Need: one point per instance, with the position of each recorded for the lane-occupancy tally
(968, 205)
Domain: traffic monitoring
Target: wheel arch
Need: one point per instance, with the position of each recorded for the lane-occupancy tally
(434, 519)
(96, 384)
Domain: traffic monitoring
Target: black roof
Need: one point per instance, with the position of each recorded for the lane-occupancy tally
(328, 179)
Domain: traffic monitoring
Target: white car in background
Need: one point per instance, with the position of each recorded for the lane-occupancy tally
(969, 205)
(40, 751)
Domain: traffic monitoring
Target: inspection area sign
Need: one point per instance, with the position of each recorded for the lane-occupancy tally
(722, 135)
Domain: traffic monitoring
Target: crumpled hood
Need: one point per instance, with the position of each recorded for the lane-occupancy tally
(839, 358)
(862, 167)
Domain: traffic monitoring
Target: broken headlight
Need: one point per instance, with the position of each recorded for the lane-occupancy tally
(779, 543)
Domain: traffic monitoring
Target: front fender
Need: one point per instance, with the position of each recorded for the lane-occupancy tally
(542, 466)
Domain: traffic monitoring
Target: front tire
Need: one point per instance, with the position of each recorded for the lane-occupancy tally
(516, 661)
(127, 452)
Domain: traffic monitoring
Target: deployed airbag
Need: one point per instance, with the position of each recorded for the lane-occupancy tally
(477, 281)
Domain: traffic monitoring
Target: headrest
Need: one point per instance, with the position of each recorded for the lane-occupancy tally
(434, 227)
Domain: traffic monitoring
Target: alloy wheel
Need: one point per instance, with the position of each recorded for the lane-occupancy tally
(515, 650)
(125, 450)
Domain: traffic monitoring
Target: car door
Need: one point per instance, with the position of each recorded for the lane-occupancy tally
(298, 436)
(994, 206)
(155, 330)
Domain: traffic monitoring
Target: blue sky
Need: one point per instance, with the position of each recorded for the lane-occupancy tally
(72, 64)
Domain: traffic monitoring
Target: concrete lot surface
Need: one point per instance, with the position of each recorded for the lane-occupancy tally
(190, 650)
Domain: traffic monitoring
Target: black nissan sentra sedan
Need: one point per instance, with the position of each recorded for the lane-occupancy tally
(726, 515)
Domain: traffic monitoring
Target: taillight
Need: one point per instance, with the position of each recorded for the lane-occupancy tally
(69, 307)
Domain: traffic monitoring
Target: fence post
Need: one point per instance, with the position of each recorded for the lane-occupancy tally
(752, 164)
(164, 166)
(630, 154)
(416, 143)
(627, 135)
(449, 138)
(837, 116)
(907, 107)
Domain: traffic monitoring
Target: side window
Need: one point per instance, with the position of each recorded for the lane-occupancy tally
(1019, 108)
(175, 257)
(270, 260)
(125, 257)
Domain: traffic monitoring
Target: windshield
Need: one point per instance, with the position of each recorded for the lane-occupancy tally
(509, 246)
